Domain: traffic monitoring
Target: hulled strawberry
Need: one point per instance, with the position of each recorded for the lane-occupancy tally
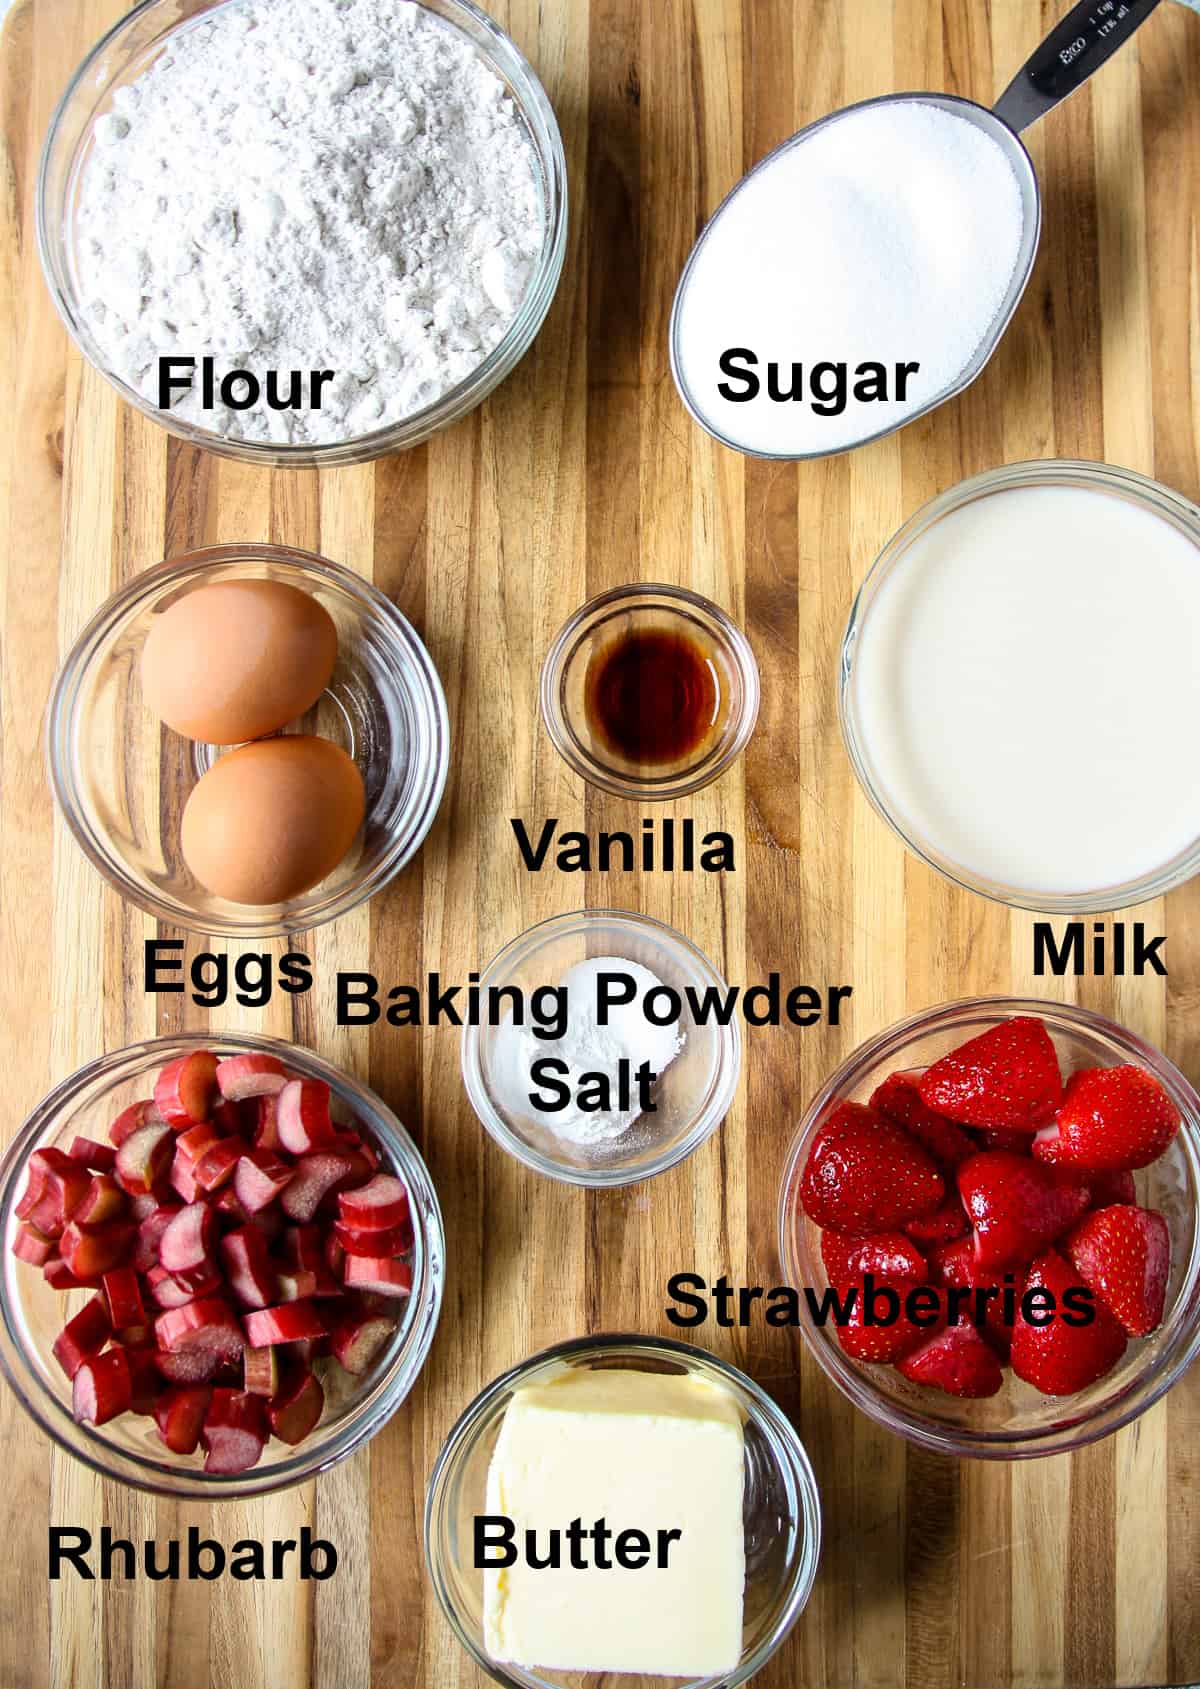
(865, 1174)
(955, 1360)
(873, 1340)
(888, 1256)
(1017, 1206)
(1112, 1119)
(1123, 1254)
(1059, 1358)
(899, 1098)
(1007, 1077)
(943, 1225)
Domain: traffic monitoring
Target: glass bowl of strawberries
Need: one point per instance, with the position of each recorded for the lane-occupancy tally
(223, 1265)
(989, 1215)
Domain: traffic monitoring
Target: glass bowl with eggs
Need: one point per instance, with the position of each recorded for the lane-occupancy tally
(248, 740)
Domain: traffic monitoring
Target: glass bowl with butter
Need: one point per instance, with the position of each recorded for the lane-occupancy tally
(662, 1565)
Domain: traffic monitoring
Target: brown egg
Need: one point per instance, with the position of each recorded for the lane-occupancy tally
(238, 659)
(271, 820)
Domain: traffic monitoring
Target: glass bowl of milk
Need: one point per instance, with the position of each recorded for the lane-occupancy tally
(1019, 682)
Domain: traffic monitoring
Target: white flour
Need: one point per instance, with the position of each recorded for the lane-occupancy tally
(302, 184)
(586, 1047)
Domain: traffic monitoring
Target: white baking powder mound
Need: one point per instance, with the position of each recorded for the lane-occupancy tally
(889, 235)
(309, 184)
(586, 1047)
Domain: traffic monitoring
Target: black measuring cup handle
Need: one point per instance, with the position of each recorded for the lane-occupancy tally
(1075, 49)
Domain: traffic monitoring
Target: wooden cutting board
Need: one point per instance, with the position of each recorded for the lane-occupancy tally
(583, 472)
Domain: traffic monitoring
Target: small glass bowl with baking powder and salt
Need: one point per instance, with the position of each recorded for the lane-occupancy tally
(697, 1062)
(92, 112)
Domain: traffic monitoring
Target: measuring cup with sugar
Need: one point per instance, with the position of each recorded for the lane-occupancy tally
(887, 237)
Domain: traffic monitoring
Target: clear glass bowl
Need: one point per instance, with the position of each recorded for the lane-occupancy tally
(782, 1509)
(693, 1094)
(1020, 1422)
(122, 777)
(1097, 477)
(122, 55)
(645, 608)
(128, 1449)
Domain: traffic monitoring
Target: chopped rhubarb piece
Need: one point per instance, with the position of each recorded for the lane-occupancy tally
(208, 1323)
(143, 1158)
(293, 1322)
(252, 1074)
(216, 1168)
(123, 1292)
(248, 1267)
(303, 1247)
(130, 1120)
(315, 1176)
(230, 1209)
(59, 1276)
(82, 1336)
(185, 1089)
(386, 1278)
(150, 1235)
(33, 1246)
(97, 1158)
(259, 1179)
(104, 1201)
(380, 1206)
(188, 1366)
(90, 1252)
(102, 1389)
(266, 1129)
(145, 1381)
(377, 1244)
(194, 1144)
(295, 1411)
(234, 1432)
(268, 1222)
(183, 1180)
(303, 1121)
(358, 1339)
(188, 1238)
(260, 1371)
(171, 1292)
(296, 1286)
(57, 1185)
(179, 1415)
(335, 1255)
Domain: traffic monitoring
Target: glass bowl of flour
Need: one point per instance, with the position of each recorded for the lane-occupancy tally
(595, 1056)
(303, 232)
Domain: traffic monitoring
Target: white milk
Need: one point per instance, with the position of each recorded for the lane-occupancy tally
(1027, 689)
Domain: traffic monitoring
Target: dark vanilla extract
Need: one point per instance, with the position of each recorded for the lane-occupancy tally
(653, 696)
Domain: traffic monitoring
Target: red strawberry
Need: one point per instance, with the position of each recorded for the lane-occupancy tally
(864, 1174)
(956, 1360)
(1123, 1254)
(945, 1223)
(1016, 1206)
(888, 1256)
(900, 1100)
(1007, 1077)
(884, 1343)
(954, 1264)
(1109, 1188)
(1111, 1119)
(1057, 1358)
(995, 1137)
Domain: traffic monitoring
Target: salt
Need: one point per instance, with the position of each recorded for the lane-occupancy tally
(890, 235)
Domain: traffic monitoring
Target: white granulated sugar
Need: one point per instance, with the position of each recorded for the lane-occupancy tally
(307, 184)
(586, 1047)
(891, 234)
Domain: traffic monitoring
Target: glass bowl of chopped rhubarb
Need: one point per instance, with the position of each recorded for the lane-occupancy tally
(989, 1216)
(223, 1265)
